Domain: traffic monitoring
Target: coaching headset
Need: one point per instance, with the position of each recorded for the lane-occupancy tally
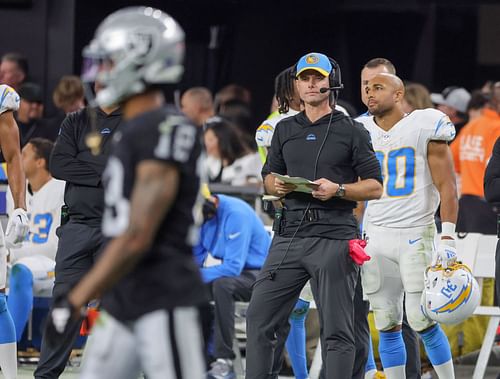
(335, 81)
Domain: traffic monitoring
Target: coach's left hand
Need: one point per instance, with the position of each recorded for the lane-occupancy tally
(326, 190)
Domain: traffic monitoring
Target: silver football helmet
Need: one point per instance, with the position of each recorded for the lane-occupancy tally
(132, 48)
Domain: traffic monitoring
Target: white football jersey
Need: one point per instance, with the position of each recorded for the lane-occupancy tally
(265, 131)
(410, 197)
(9, 99)
(44, 212)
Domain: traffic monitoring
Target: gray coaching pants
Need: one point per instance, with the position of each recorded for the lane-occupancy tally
(333, 280)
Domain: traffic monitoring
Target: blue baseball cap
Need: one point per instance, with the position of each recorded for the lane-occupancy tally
(314, 61)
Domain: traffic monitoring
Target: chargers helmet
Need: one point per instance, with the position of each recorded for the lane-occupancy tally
(451, 295)
(132, 48)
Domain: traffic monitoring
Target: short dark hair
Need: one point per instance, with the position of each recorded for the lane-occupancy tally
(43, 148)
(19, 59)
(375, 62)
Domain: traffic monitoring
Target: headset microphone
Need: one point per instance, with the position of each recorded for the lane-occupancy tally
(326, 89)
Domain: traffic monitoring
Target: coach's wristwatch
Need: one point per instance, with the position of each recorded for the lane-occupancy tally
(340, 191)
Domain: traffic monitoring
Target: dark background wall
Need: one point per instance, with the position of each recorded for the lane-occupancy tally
(44, 31)
(249, 42)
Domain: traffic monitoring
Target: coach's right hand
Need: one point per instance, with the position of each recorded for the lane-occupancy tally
(282, 189)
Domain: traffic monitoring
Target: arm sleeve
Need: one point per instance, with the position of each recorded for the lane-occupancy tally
(492, 176)
(274, 161)
(96, 162)
(237, 237)
(64, 163)
(365, 162)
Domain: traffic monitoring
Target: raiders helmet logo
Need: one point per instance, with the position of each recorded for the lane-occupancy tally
(142, 42)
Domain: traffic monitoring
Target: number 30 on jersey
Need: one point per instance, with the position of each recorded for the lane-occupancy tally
(398, 171)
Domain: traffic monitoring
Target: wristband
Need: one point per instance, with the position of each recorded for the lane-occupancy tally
(448, 229)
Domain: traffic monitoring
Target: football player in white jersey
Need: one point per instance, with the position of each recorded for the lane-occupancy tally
(33, 261)
(17, 226)
(418, 174)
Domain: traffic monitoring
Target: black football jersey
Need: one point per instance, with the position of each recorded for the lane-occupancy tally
(166, 276)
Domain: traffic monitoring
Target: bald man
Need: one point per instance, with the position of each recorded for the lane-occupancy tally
(418, 170)
(413, 368)
(197, 104)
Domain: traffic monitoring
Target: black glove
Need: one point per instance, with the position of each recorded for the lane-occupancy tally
(58, 319)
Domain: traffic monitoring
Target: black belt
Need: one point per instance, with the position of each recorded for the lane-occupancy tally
(310, 215)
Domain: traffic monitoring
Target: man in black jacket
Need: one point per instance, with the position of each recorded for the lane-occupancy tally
(312, 239)
(80, 239)
(146, 276)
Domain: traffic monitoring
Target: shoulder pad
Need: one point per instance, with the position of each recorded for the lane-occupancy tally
(366, 121)
(437, 125)
(9, 99)
(363, 118)
(265, 131)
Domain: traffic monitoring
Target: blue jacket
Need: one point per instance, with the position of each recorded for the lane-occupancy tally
(236, 236)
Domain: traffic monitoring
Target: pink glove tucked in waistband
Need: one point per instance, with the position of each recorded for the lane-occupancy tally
(357, 251)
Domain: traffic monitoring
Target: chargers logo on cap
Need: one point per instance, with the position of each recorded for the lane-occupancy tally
(312, 59)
